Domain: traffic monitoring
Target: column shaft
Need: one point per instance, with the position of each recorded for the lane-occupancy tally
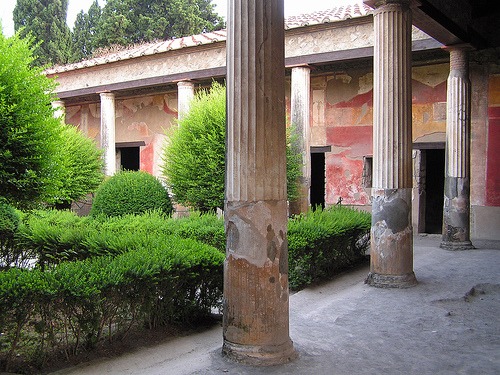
(456, 210)
(256, 313)
(391, 232)
(59, 109)
(300, 117)
(108, 132)
(185, 93)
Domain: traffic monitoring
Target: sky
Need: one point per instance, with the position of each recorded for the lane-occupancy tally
(292, 7)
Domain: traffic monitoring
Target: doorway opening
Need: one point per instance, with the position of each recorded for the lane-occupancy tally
(317, 192)
(130, 158)
(434, 197)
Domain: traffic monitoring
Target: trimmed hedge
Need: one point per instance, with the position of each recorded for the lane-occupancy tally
(322, 242)
(131, 192)
(74, 305)
(55, 236)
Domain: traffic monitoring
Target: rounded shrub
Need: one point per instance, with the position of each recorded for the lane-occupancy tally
(131, 192)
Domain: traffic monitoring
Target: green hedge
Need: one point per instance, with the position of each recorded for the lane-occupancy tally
(322, 242)
(131, 192)
(54, 236)
(72, 306)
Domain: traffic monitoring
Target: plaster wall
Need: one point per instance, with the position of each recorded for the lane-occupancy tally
(342, 117)
(145, 118)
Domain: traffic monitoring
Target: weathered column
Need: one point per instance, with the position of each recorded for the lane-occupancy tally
(108, 132)
(185, 93)
(256, 313)
(456, 210)
(59, 109)
(300, 117)
(391, 232)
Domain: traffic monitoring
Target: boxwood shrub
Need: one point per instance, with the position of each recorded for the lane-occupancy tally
(322, 242)
(70, 307)
(131, 192)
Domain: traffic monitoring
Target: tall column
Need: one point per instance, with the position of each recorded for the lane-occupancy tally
(456, 210)
(108, 132)
(391, 232)
(256, 312)
(300, 117)
(185, 93)
(59, 109)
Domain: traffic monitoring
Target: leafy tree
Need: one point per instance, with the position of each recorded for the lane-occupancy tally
(45, 20)
(78, 168)
(85, 32)
(28, 129)
(127, 22)
(194, 158)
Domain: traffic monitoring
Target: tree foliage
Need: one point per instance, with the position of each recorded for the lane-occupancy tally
(194, 158)
(28, 129)
(126, 22)
(78, 168)
(45, 20)
(41, 159)
(85, 32)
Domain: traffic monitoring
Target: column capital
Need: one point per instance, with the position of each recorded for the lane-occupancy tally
(380, 3)
(107, 94)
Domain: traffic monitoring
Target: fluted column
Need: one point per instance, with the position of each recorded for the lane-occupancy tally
(108, 132)
(456, 210)
(59, 109)
(256, 312)
(185, 93)
(300, 117)
(391, 232)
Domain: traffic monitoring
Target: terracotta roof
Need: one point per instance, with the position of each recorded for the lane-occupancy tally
(340, 13)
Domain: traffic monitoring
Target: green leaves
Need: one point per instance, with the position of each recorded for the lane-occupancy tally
(194, 157)
(131, 192)
(322, 242)
(28, 131)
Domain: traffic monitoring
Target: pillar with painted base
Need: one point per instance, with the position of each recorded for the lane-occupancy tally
(59, 109)
(456, 208)
(300, 119)
(392, 233)
(108, 132)
(185, 93)
(256, 310)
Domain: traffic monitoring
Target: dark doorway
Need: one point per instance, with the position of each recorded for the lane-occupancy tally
(434, 198)
(130, 158)
(317, 179)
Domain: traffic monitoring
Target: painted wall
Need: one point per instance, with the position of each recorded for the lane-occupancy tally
(342, 117)
(145, 118)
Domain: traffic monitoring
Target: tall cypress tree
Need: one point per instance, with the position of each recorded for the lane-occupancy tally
(127, 22)
(45, 20)
(85, 32)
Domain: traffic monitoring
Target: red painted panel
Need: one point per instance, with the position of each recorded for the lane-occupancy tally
(147, 158)
(357, 101)
(344, 179)
(493, 159)
(359, 139)
(424, 94)
(493, 112)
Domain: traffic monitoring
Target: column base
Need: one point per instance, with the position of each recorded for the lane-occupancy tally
(391, 281)
(260, 355)
(448, 245)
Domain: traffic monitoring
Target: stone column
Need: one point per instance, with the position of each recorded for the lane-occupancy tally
(59, 109)
(108, 132)
(456, 210)
(300, 117)
(391, 232)
(185, 93)
(256, 312)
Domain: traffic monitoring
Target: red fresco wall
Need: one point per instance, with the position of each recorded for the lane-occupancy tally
(349, 119)
(493, 158)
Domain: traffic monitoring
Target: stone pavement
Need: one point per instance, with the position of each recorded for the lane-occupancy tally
(448, 324)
